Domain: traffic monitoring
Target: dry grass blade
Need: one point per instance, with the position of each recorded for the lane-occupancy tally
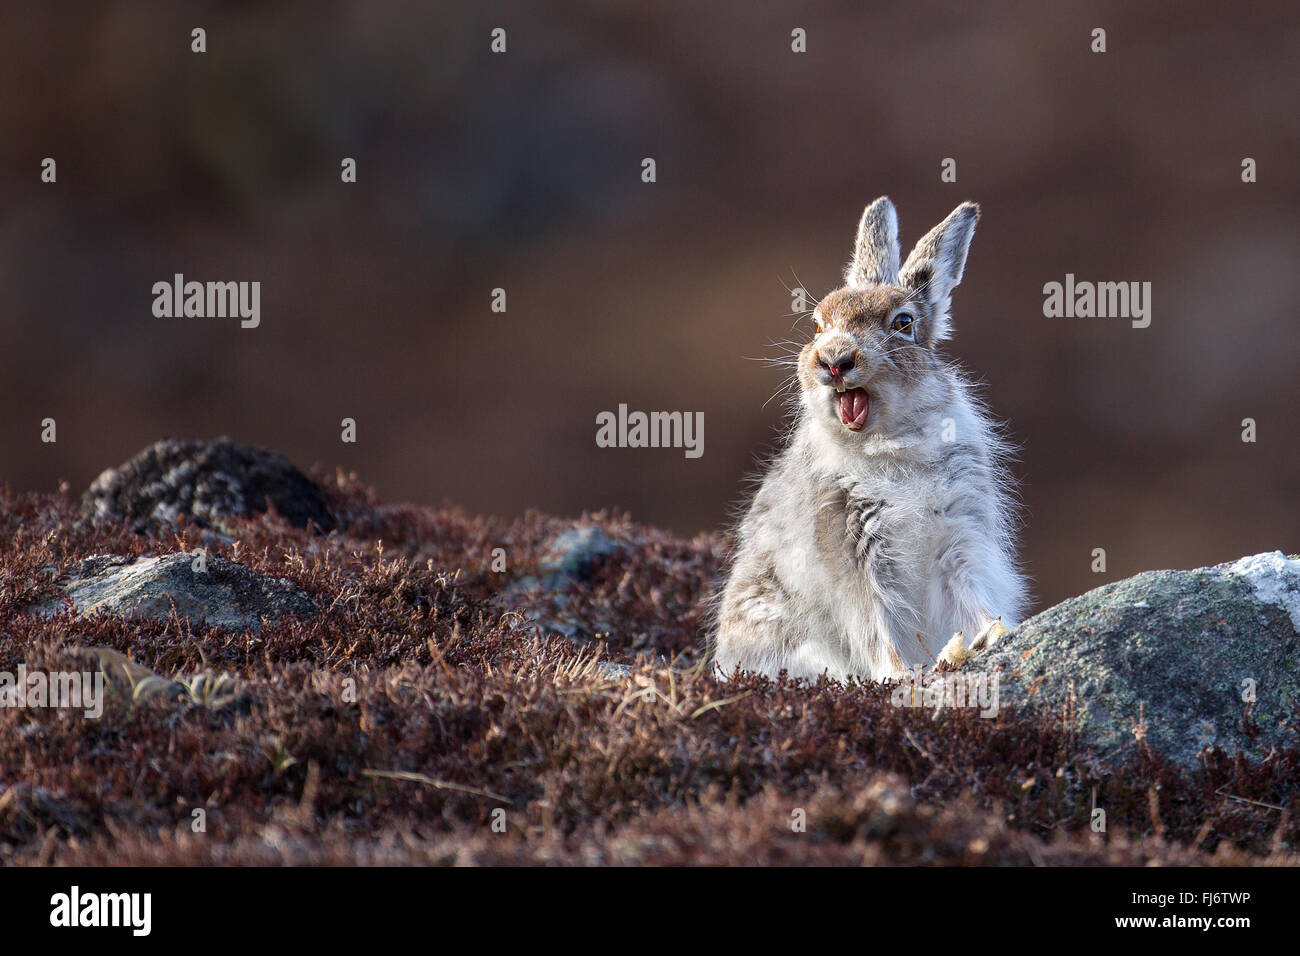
(719, 704)
(436, 784)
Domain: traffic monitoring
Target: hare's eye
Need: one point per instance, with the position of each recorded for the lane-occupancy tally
(902, 324)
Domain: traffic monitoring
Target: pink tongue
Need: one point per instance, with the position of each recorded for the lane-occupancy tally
(854, 406)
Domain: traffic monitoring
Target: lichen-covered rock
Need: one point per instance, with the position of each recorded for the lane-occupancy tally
(1188, 659)
(219, 593)
(206, 481)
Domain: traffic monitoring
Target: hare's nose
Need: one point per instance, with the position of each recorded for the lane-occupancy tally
(840, 365)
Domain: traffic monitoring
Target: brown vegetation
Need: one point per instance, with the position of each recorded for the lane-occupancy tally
(462, 707)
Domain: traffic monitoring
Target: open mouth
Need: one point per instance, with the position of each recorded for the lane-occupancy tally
(855, 406)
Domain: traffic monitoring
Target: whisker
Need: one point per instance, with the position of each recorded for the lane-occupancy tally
(785, 383)
(808, 294)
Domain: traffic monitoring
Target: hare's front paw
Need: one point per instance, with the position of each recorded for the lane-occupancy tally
(992, 632)
(956, 653)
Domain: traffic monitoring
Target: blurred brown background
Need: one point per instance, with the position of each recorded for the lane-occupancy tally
(523, 171)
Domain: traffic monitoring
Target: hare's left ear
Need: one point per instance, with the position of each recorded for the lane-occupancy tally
(936, 265)
(875, 254)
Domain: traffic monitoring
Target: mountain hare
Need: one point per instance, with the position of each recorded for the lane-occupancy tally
(886, 524)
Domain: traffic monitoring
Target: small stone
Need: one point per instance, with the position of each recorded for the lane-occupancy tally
(226, 594)
(577, 553)
(613, 672)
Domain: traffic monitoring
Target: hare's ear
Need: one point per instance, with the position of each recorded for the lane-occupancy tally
(935, 266)
(875, 254)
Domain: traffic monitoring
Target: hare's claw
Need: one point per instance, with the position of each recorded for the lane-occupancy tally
(992, 632)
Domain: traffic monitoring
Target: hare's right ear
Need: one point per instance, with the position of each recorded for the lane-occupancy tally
(875, 254)
(936, 265)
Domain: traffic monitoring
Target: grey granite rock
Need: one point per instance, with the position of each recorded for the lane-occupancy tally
(1173, 655)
